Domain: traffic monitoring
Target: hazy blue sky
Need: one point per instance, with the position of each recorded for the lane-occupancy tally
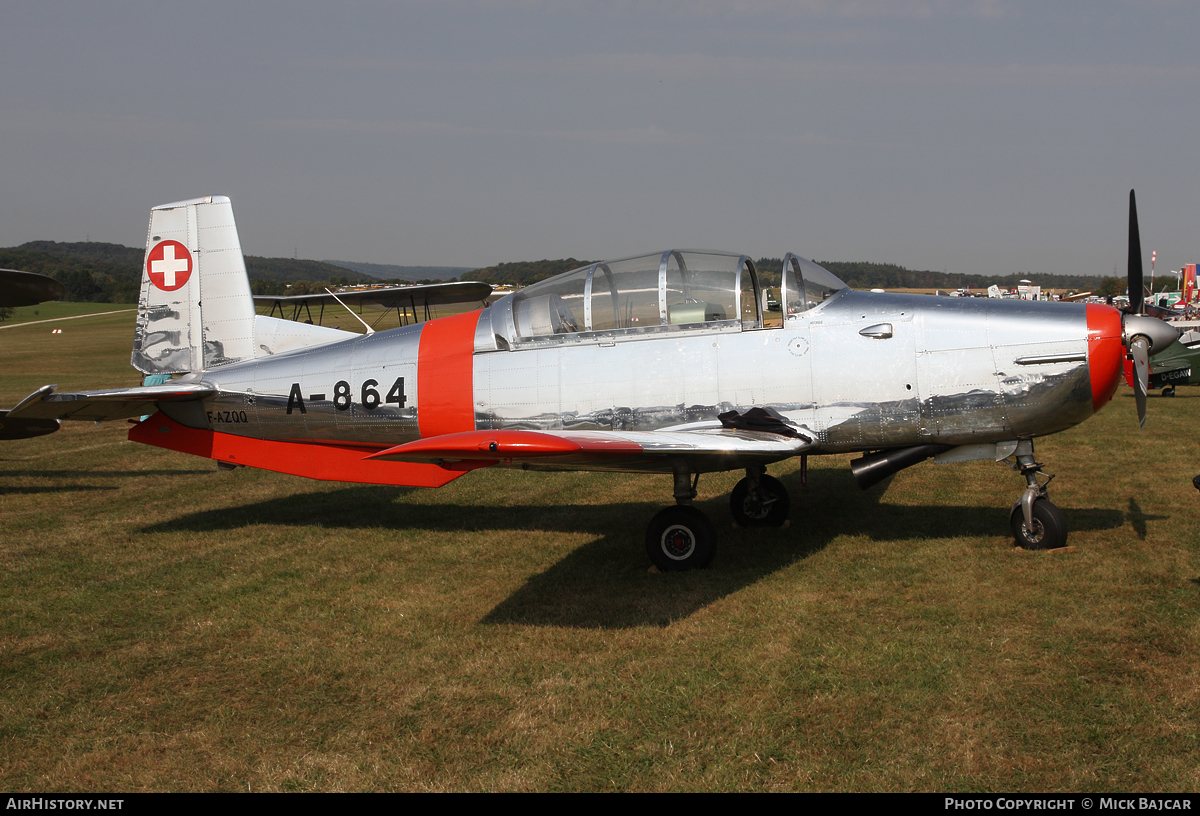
(985, 137)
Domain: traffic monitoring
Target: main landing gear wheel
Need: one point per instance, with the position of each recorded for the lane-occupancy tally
(1169, 391)
(1049, 530)
(766, 505)
(681, 538)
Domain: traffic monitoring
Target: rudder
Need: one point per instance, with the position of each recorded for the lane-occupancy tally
(195, 310)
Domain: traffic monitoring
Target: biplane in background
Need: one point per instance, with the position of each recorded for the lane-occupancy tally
(412, 304)
(661, 363)
(26, 289)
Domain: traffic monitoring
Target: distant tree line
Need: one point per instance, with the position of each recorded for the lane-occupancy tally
(860, 275)
(524, 273)
(87, 278)
(111, 273)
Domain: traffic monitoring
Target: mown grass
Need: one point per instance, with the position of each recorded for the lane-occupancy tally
(165, 626)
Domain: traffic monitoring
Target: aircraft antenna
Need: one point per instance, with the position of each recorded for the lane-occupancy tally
(351, 311)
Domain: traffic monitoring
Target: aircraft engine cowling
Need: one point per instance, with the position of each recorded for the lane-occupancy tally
(1106, 352)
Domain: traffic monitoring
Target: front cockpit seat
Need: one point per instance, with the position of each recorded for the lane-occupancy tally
(547, 314)
(696, 311)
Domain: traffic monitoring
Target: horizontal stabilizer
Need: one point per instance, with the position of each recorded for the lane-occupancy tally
(275, 336)
(25, 428)
(99, 406)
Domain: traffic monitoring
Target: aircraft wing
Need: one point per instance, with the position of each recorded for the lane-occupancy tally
(702, 448)
(114, 403)
(27, 288)
(432, 294)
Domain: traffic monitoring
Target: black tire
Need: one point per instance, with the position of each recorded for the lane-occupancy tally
(768, 506)
(681, 538)
(1049, 527)
(1169, 391)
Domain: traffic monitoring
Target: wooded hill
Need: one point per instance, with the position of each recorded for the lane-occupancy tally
(524, 273)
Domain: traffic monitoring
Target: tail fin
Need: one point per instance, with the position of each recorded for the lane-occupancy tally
(195, 310)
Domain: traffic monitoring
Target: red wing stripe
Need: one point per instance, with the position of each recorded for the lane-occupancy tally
(311, 460)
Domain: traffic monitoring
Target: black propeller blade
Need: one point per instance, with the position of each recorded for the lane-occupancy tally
(1139, 347)
(1136, 297)
(1143, 336)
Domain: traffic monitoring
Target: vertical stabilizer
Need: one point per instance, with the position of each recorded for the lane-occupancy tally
(195, 310)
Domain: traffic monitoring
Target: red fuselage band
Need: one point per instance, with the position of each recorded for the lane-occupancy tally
(445, 386)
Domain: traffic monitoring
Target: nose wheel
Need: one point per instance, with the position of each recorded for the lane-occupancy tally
(1048, 530)
(1036, 523)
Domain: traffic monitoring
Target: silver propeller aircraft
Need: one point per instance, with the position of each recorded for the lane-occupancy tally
(662, 363)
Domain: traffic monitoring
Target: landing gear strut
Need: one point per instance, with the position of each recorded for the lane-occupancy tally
(681, 537)
(1036, 523)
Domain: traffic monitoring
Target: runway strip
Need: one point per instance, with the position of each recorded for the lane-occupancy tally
(72, 317)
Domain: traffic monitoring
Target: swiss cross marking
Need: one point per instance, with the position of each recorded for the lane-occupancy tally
(169, 265)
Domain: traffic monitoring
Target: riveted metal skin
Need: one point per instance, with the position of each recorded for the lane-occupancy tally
(952, 372)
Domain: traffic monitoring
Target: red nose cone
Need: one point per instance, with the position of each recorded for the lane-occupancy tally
(1105, 352)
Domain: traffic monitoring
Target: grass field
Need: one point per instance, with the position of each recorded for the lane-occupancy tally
(165, 626)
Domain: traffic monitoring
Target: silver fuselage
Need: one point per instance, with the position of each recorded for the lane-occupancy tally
(861, 371)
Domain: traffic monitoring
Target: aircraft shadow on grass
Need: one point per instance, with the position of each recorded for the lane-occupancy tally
(606, 583)
(72, 487)
(15, 490)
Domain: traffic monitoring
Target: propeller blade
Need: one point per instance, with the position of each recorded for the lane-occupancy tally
(1140, 349)
(1136, 296)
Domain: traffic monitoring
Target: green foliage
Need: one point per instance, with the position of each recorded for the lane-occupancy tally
(258, 286)
(770, 271)
(95, 251)
(291, 269)
(86, 278)
(307, 287)
(1111, 287)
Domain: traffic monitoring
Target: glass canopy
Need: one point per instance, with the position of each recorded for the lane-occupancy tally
(672, 288)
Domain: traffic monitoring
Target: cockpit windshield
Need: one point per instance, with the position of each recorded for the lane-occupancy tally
(806, 285)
